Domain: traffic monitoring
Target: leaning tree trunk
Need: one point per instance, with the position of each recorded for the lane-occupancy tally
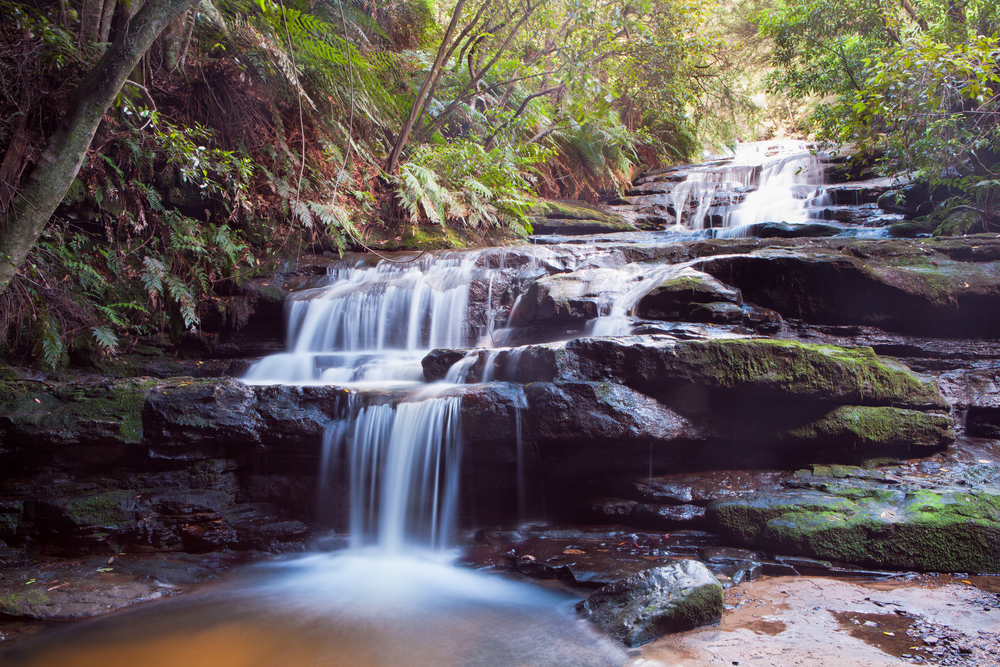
(60, 161)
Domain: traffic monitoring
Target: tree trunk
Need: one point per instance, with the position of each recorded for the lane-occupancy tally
(106, 20)
(61, 160)
(90, 21)
(432, 76)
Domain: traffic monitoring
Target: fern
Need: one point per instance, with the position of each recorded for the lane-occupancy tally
(49, 342)
(105, 339)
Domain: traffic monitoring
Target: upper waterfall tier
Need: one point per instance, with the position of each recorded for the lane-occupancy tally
(373, 323)
(777, 181)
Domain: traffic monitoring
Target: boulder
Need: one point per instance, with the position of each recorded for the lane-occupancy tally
(645, 606)
(758, 367)
(941, 529)
(674, 296)
(576, 296)
(910, 287)
(574, 218)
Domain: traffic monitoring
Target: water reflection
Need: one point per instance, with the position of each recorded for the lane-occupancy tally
(358, 608)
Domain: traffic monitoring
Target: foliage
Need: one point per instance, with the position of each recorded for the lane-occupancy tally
(462, 181)
(930, 109)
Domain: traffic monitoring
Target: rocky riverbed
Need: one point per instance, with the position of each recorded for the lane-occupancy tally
(823, 407)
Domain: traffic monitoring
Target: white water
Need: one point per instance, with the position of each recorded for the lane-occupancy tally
(785, 178)
(402, 465)
(373, 324)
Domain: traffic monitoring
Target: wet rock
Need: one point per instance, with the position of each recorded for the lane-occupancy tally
(644, 515)
(574, 217)
(762, 367)
(856, 193)
(437, 363)
(576, 296)
(684, 488)
(906, 286)
(784, 230)
(905, 200)
(568, 227)
(166, 464)
(640, 608)
(943, 529)
(584, 414)
(63, 590)
(674, 297)
(910, 229)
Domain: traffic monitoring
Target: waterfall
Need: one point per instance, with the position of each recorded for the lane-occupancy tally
(774, 181)
(397, 453)
(401, 463)
(373, 323)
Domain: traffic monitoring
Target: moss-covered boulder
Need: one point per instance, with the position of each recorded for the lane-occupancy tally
(574, 218)
(908, 286)
(945, 530)
(761, 367)
(645, 606)
(96, 413)
(676, 296)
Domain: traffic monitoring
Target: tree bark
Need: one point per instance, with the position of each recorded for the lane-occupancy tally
(61, 160)
(107, 17)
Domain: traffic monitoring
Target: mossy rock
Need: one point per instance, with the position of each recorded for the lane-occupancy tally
(113, 510)
(74, 413)
(571, 210)
(877, 429)
(675, 296)
(910, 229)
(574, 218)
(944, 530)
(761, 367)
(644, 606)
(23, 604)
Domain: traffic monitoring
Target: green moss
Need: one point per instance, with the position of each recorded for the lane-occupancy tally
(869, 429)
(846, 375)
(107, 510)
(23, 604)
(572, 210)
(938, 530)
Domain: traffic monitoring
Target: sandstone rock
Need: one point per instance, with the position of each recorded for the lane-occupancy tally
(760, 367)
(943, 529)
(570, 218)
(674, 297)
(643, 607)
(905, 286)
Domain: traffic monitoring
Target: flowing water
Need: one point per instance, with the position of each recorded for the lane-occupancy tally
(393, 598)
(765, 181)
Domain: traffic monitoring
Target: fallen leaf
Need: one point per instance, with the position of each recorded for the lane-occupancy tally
(29, 582)
(966, 581)
(37, 401)
(884, 632)
(66, 583)
(105, 569)
(985, 461)
(574, 551)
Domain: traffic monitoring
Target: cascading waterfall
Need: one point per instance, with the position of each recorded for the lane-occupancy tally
(398, 454)
(787, 188)
(372, 323)
(402, 463)
(782, 181)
